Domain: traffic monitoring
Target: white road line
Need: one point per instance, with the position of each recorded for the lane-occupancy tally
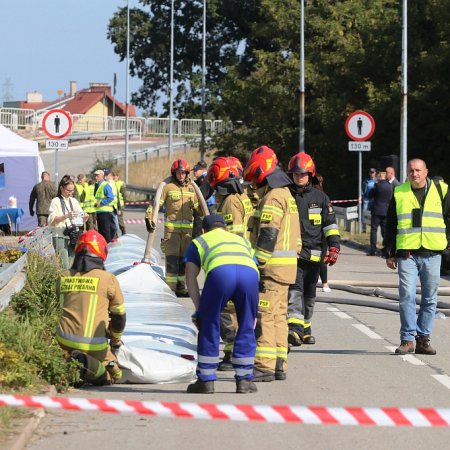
(340, 314)
(408, 358)
(367, 331)
(443, 379)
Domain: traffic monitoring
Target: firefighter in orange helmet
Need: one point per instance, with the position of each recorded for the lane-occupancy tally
(93, 312)
(180, 199)
(233, 204)
(275, 236)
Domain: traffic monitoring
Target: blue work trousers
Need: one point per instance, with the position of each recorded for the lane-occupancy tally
(239, 284)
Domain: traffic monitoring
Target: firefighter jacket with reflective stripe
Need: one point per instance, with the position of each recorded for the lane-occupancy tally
(431, 232)
(236, 209)
(89, 199)
(275, 235)
(93, 308)
(180, 202)
(102, 199)
(317, 221)
(219, 247)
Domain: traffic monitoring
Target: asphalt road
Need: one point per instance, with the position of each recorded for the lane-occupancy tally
(352, 364)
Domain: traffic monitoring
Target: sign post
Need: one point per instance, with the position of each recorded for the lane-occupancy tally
(359, 127)
(57, 124)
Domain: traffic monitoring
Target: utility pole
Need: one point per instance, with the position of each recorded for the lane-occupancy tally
(171, 81)
(404, 113)
(127, 94)
(302, 76)
(203, 131)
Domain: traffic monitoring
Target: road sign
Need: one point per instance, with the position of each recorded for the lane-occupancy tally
(355, 146)
(60, 144)
(57, 123)
(359, 126)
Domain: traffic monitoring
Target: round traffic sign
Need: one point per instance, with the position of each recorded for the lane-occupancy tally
(57, 123)
(359, 126)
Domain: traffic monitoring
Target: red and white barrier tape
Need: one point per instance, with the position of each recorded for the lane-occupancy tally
(137, 203)
(344, 201)
(388, 417)
(134, 221)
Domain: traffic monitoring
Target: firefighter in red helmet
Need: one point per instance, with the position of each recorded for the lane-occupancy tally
(93, 317)
(180, 199)
(275, 237)
(318, 222)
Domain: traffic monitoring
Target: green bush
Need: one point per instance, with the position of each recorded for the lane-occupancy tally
(29, 354)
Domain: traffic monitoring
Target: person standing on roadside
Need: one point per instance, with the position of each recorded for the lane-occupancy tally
(121, 190)
(390, 176)
(104, 200)
(200, 173)
(418, 232)
(367, 186)
(42, 194)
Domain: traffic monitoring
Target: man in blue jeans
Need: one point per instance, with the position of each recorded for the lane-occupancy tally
(419, 218)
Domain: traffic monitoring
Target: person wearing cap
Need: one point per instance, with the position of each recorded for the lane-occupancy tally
(104, 199)
(109, 177)
(200, 173)
(231, 273)
(367, 186)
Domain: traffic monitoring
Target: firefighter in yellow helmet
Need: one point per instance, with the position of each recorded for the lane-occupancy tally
(275, 236)
(233, 204)
(93, 317)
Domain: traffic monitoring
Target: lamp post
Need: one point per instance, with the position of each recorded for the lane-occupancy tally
(302, 77)
(203, 130)
(171, 81)
(404, 113)
(127, 92)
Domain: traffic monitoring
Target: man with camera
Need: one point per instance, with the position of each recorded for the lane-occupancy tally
(417, 237)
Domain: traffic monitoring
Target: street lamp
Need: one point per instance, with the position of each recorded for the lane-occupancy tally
(171, 81)
(127, 91)
(302, 76)
(404, 113)
(203, 131)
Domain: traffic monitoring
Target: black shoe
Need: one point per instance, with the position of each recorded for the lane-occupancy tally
(245, 387)
(371, 254)
(262, 375)
(201, 387)
(309, 340)
(280, 375)
(294, 339)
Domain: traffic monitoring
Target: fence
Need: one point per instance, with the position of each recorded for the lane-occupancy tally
(28, 119)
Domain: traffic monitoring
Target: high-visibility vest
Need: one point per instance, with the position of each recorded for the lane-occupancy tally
(80, 187)
(89, 200)
(115, 202)
(431, 234)
(99, 196)
(219, 247)
(119, 184)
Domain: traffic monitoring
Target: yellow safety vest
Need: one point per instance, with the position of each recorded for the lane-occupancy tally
(80, 188)
(119, 184)
(220, 247)
(89, 199)
(99, 196)
(115, 202)
(431, 235)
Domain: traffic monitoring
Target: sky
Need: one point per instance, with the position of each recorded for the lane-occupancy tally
(45, 44)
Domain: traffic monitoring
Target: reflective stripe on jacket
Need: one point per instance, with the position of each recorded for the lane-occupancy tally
(236, 210)
(432, 232)
(219, 247)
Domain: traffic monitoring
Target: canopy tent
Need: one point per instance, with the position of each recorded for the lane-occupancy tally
(20, 169)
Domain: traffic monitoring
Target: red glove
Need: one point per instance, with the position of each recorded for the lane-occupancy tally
(332, 256)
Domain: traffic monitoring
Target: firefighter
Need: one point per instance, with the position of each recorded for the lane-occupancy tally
(180, 199)
(275, 236)
(317, 222)
(236, 208)
(230, 272)
(93, 312)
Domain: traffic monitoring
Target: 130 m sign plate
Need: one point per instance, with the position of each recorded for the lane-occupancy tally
(356, 146)
(53, 144)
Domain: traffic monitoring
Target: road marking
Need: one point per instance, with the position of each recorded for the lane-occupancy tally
(338, 313)
(443, 379)
(408, 358)
(367, 331)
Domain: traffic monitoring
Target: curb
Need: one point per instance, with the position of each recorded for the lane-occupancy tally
(31, 425)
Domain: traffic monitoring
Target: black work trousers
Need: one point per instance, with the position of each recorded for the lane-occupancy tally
(376, 221)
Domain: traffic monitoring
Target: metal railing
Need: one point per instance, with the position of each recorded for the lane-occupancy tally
(17, 118)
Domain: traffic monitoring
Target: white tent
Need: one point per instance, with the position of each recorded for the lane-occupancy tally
(20, 169)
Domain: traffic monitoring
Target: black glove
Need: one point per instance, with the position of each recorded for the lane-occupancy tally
(150, 225)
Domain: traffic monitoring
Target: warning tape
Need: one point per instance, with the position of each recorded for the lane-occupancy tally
(344, 201)
(387, 417)
(137, 203)
(134, 221)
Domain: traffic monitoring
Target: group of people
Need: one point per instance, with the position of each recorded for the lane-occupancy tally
(261, 251)
(75, 206)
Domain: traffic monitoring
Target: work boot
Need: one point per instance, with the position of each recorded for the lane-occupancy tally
(245, 387)
(309, 340)
(263, 375)
(423, 346)
(294, 339)
(405, 348)
(280, 374)
(201, 387)
(225, 365)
